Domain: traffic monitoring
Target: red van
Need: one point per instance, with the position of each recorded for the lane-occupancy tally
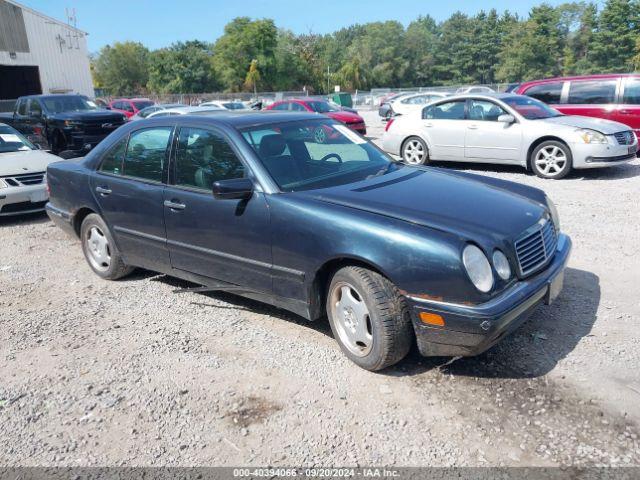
(611, 96)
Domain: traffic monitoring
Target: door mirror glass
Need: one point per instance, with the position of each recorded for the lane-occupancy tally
(506, 118)
(235, 188)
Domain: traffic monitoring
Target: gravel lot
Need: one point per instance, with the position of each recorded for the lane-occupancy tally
(128, 373)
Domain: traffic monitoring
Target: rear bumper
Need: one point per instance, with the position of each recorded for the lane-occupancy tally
(61, 218)
(470, 330)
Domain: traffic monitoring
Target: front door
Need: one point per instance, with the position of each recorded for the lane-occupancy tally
(227, 240)
(129, 187)
(487, 139)
(443, 127)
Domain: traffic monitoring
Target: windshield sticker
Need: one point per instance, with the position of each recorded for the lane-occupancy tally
(10, 137)
(350, 134)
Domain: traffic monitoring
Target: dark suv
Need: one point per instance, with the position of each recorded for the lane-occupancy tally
(63, 122)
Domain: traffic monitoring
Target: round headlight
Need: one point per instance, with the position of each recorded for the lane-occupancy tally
(478, 268)
(501, 264)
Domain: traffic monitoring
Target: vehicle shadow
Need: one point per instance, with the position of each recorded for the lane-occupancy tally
(24, 219)
(238, 302)
(549, 335)
(617, 172)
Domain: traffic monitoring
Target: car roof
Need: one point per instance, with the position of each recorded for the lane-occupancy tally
(485, 95)
(186, 109)
(599, 76)
(242, 119)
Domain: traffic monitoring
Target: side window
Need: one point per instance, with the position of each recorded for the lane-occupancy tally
(296, 107)
(34, 108)
(112, 160)
(547, 92)
(204, 157)
(632, 92)
(22, 107)
(127, 107)
(282, 106)
(484, 110)
(445, 111)
(592, 92)
(146, 153)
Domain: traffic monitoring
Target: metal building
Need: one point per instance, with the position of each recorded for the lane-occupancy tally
(39, 54)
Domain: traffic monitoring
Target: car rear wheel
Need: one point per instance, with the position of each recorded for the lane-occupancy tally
(415, 151)
(369, 318)
(551, 159)
(99, 249)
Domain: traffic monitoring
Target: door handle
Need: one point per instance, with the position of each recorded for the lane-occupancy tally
(472, 127)
(428, 125)
(174, 205)
(103, 191)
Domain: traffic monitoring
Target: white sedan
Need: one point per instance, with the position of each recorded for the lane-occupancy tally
(22, 174)
(509, 129)
(226, 104)
(187, 111)
(406, 104)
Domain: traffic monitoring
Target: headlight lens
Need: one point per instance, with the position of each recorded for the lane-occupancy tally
(501, 264)
(3, 184)
(554, 214)
(478, 268)
(591, 136)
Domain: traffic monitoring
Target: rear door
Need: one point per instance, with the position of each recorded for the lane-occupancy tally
(591, 98)
(443, 125)
(223, 239)
(129, 186)
(486, 138)
(628, 110)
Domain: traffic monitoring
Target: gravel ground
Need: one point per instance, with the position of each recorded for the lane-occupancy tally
(128, 373)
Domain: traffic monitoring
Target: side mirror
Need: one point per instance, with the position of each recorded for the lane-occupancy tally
(37, 146)
(507, 119)
(235, 188)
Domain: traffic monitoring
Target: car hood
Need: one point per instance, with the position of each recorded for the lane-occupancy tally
(27, 161)
(90, 116)
(345, 117)
(601, 125)
(440, 200)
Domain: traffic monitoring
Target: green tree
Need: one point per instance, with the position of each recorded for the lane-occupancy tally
(183, 68)
(614, 40)
(253, 77)
(420, 46)
(122, 69)
(243, 41)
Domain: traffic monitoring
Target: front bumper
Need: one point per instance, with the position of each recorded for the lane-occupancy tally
(470, 330)
(22, 199)
(605, 155)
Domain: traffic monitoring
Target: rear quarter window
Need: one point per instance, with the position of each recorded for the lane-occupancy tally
(592, 92)
(546, 92)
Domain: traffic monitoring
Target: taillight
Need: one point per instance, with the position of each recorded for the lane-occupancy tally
(46, 185)
(389, 123)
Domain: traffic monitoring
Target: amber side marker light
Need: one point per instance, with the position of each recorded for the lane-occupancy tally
(432, 319)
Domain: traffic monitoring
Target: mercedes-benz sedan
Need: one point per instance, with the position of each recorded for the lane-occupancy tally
(509, 129)
(254, 204)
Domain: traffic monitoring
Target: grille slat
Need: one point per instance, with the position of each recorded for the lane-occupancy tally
(625, 138)
(25, 179)
(535, 248)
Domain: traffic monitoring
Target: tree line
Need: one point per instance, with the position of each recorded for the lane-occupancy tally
(489, 47)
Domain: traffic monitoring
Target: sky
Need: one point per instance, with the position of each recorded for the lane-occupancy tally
(158, 23)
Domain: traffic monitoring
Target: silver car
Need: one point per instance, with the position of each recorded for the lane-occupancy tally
(22, 174)
(509, 129)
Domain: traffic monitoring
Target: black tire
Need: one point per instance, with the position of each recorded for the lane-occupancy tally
(58, 143)
(552, 171)
(388, 115)
(410, 151)
(115, 268)
(389, 321)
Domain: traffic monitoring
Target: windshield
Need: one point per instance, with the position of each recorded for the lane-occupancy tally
(530, 108)
(311, 154)
(234, 106)
(321, 107)
(12, 141)
(143, 104)
(68, 104)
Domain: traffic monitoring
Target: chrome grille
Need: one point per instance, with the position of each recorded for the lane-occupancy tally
(536, 247)
(625, 138)
(24, 179)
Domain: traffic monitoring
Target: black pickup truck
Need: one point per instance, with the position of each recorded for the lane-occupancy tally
(62, 122)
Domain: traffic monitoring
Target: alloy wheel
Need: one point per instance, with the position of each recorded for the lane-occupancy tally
(351, 319)
(551, 160)
(98, 249)
(414, 152)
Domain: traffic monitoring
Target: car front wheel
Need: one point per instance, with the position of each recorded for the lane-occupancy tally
(551, 159)
(100, 250)
(369, 318)
(415, 151)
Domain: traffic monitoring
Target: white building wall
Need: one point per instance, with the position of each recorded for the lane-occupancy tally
(59, 51)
